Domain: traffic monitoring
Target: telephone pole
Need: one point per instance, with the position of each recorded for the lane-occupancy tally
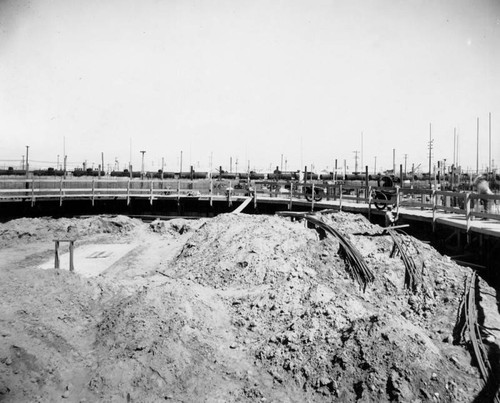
(27, 161)
(362, 150)
(394, 161)
(356, 161)
(142, 165)
(477, 148)
(490, 169)
(430, 153)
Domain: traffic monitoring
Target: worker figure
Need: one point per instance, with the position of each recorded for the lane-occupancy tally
(390, 218)
(482, 187)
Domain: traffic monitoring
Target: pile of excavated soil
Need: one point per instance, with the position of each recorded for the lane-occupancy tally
(234, 308)
(35, 229)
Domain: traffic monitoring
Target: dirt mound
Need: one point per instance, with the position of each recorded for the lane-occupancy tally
(29, 229)
(174, 226)
(236, 308)
(244, 251)
(308, 323)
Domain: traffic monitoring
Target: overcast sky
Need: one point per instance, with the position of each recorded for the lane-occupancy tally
(252, 80)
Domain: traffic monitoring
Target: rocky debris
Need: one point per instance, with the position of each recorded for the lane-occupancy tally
(247, 309)
(30, 229)
(177, 226)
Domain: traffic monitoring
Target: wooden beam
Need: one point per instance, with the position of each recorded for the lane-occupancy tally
(240, 208)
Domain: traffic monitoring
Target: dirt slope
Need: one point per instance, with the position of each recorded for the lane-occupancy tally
(235, 308)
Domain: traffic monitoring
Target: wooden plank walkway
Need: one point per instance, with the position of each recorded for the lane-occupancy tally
(463, 211)
(488, 227)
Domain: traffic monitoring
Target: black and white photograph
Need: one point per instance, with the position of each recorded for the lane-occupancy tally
(250, 201)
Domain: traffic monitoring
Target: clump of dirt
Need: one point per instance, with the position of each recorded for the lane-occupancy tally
(235, 308)
(308, 324)
(245, 251)
(30, 229)
(173, 227)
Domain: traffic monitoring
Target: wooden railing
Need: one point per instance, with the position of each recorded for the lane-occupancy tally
(470, 205)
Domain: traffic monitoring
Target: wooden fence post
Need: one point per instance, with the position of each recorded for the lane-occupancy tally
(312, 195)
(56, 260)
(291, 196)
(32, 192)
(340, 197)
(211, 192)
(71, 249)
(369, 203)
(151, 193)
(60, 192)
(468, 215)
(93, 190)
(128, 192)
(434, 202)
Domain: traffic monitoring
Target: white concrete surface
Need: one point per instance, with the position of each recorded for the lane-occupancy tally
(89, 260)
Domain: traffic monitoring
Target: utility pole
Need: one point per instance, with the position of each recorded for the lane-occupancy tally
(281, 166)
(356, 161)
(162, 166)
(490, 169)
(430, 153)
(102, 160)
(477, 148)
(362, 150)
(64, 154)
(180, 169)
(375, 166)
(454, 145)
(406, 157)
(27, 161)
(142, 165)
(394, 161)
